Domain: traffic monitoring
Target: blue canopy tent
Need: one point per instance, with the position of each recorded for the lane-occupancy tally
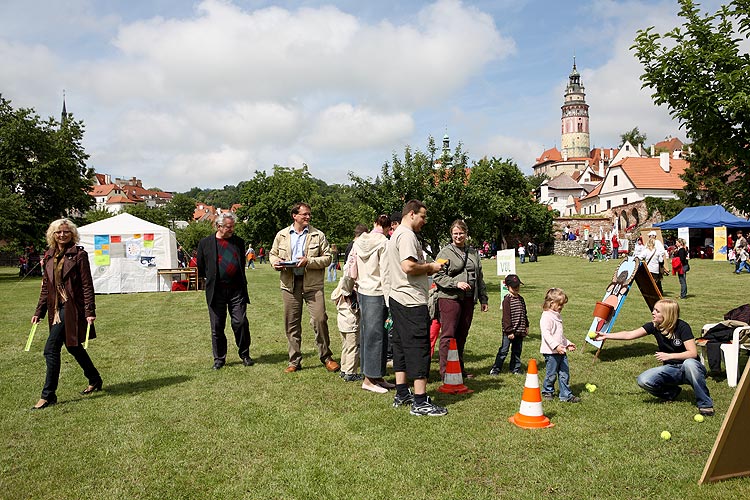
(704, 218)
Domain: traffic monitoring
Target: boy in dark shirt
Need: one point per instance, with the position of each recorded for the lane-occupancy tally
(515, 328)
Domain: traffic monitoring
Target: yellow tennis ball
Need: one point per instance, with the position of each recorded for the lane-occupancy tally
(591, 387)
(698, 418)
(666, 435)
(592, 334)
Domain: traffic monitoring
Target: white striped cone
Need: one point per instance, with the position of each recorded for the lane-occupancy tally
(453, 380)
(530, 415)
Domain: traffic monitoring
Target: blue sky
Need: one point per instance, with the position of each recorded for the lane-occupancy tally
(204, 93)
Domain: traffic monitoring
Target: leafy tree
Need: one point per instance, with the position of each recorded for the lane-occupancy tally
(189, 236)
(440, 185)
(42, 170)
(156, 215)
(96, 215)
(667, 208)
(502, 208)
(15, 215)
(180, 207)
(267, 201)
(339, 212)
(701, 73)
(634, 136)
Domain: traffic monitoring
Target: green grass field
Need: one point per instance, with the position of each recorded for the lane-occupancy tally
(167, 426)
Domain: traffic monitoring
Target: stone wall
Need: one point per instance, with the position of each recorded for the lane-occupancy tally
(575, 248)
(633, 216)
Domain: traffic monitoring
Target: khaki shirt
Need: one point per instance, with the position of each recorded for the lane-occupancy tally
(407, 290)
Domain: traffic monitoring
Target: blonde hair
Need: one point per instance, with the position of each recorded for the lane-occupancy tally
(554, 296)
(55, 226)
(650, 244)
(670, 309)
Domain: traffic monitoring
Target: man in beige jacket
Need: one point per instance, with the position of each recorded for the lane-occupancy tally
(301, 253)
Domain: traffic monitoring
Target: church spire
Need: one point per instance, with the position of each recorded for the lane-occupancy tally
(64, 114)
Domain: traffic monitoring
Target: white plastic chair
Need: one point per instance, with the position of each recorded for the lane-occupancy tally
(730, 353)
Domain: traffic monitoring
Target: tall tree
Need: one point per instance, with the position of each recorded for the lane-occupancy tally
(42, 170)
(267, 200)
(440, 185)
(634, 137)
(156, 215)
(502, 205)
(701, 73)
(180, 207)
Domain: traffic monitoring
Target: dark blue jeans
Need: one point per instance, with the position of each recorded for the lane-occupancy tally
(664, 381)
(52, 350)
(683, 285)
(514, 346)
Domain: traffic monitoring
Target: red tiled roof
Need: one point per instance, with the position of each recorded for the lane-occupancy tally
(645, 173)
(118, 199)
(103, 190)
(671, 145)
(551, 154)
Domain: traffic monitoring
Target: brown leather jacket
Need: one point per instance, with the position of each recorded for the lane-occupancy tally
(79, 287)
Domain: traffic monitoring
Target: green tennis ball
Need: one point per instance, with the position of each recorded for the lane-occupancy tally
(698, 418)
(591, 387)
(592, 335)
(666, 435)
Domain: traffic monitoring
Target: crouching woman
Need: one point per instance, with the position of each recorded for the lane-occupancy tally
(678, 353)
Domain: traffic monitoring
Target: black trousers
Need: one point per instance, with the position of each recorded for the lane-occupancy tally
(229, 299)
(52, 351)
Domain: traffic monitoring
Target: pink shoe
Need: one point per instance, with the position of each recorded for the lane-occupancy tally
(374, 388)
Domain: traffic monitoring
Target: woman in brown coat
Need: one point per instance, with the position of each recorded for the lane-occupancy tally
(68, 295)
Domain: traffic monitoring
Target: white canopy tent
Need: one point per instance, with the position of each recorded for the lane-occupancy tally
(125, 253)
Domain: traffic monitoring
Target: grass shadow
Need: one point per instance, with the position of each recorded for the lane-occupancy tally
(152, 384)
(281, 357)
(630, 350)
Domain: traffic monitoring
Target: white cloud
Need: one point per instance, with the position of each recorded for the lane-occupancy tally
(246, 89)
(344, 126)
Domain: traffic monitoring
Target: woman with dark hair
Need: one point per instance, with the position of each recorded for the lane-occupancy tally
(460, 284)
(677, 352)
(68, 296)
(680, 257)
(368, 251)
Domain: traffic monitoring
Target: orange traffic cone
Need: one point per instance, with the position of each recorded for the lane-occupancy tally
(453, 381)
(530, 415)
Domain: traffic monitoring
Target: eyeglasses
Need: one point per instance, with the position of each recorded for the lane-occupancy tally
(306, 214)
(60, 233)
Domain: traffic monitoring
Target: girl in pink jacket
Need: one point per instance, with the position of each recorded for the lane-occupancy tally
(555, 346)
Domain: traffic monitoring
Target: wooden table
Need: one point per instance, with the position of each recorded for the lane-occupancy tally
(191, 273)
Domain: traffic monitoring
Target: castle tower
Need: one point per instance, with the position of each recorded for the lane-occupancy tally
(575, 141)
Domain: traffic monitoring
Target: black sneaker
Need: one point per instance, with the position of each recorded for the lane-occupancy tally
(428, 408)
(572, 399)
(548, 396)
(353, 377)
(402, 401)
(495, 371)
(706, 412)
(248, 361)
